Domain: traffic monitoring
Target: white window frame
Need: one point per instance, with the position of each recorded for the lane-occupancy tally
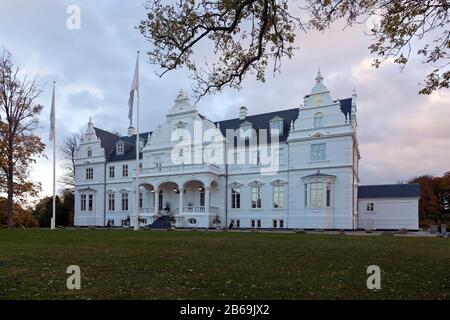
(124, 170)
(89, 152)
(318, 152)
(89, 173)
(235, 197)
(277, 193)
(120, 148)
(318, 120)
(111, 202)
(256, 190)
(124, 203)
(276, 127)
(112, 171)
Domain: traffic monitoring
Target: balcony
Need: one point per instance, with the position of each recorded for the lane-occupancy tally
(181, 168)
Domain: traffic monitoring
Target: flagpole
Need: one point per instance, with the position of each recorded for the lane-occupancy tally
(53, 222)
(136, 223)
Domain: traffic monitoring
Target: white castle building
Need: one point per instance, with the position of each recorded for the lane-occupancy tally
(295, 168)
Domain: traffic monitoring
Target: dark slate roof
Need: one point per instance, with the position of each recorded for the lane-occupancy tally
(262, 121)
(346, 107)
(389, 191)
(259, 121)
(108, 142)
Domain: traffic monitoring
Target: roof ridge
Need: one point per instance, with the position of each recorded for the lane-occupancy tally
(258, 114)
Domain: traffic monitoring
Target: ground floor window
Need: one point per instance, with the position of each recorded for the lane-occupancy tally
(235, 223)
(370, 207)
(278, 196)
(124, 201)
(235, 198)
(83, 202)
(277, 223)
(256, 196)
(255, 223)
(111, 202)
(160, 200)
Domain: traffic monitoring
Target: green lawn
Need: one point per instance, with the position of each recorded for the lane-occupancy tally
(218, 265)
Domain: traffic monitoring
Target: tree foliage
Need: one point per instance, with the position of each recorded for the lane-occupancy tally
(22, 217)
(19, 146)
(64, 212)
(434, 203)
(247, 35)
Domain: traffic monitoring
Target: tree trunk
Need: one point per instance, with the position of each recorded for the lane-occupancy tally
(9, 201)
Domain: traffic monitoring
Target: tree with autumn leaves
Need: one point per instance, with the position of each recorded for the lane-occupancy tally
(434, 202)
(19, 145)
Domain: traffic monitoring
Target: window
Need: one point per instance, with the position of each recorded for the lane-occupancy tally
(236, 223)
(125, 170)
(124, 201)
(278, 196)
(140, 200)
(90, 202)
(318, 120)
(160, 200)
(281, 224)
(111, 171)
(83, 202)
(258, 223)
(276, 127)
(119, 148)
(306, 195)
(89, 152)
(316, 189)
(180, 153)
(89, 173)
(318, 152)
(235, 198)
(252, 223)
(328, 195)
(256, 196)
(111, 202)
(275, 223)
(202, 197)
(370, 207)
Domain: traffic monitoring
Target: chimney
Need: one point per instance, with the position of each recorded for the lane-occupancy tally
(242, 113)
(131, 131)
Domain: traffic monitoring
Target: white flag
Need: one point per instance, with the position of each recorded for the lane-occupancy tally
(52, 117)
(134, 87)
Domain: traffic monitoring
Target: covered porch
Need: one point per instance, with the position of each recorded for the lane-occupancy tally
(187, 202)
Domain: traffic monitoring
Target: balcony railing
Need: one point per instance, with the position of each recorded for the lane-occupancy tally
(184, 168)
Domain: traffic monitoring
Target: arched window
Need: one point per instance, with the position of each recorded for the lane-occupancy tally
(318, 120)
(89, 152)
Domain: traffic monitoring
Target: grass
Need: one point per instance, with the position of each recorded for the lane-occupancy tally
(219, 265)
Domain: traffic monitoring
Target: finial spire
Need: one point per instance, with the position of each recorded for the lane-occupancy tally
(319, 77)
(90, 123)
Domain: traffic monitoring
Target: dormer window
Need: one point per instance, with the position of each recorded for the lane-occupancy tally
(276, 126)
(318, 120)
(89, 152)
(246, 129)
(119, 148)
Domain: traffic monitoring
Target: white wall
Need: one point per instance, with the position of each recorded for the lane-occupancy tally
(392, 213)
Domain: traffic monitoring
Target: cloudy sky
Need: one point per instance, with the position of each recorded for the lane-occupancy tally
(401, 134)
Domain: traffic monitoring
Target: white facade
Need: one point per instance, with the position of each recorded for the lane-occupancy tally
(306, 176)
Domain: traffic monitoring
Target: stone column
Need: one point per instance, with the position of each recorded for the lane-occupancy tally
(180, 205)
(156, 200)
(207, 209)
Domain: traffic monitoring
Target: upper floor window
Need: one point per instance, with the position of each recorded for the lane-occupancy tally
(111, 172)
(235, 197)
(318, 120)
(89, 173)
(318, 151)
(119, 148)
(125, 170)
(89, 152)
(276, 127)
